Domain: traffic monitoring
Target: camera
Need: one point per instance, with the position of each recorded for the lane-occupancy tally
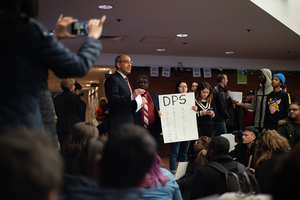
(79, 28)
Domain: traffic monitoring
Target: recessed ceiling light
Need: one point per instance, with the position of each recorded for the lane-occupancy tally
(229, 52)
(106, 7)
(182, 35)
(87, 85)
(160, 49)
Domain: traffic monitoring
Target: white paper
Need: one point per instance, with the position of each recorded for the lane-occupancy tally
(181, 169)
(166, 71)
(207, 72)
(139, 102)
(196, 72)
(153, 71)
(238, 96)
(230, 137)
(178, 120)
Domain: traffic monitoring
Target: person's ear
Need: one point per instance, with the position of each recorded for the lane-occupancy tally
(144, 180)
(97, 162)
(118, 65)
(53, 195)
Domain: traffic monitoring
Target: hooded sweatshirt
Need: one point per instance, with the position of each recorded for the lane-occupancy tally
(260, 98)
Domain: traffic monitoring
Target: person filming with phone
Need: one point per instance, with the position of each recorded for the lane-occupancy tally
(28, 52)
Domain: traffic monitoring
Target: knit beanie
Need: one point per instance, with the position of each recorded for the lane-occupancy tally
(280, 76)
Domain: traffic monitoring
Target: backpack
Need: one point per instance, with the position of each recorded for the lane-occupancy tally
(241, 182)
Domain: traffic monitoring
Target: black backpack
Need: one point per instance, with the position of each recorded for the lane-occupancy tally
(241, 182)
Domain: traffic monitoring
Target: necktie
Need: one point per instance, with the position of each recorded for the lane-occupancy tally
(145, 114)
(128, 84)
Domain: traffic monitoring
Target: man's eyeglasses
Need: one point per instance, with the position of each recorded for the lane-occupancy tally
(293, 109)
(140, 83)
(127, 62)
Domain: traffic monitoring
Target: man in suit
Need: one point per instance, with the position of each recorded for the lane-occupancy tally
(149, 115)
(123, 102)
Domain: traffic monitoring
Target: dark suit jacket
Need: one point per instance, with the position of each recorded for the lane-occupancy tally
(120, 107)
(68, 110)
(154, 128)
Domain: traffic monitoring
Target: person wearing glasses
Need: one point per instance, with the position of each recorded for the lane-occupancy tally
(290, 126)
(179, 149)
(149, 115)
(123, 102)
(277, 103)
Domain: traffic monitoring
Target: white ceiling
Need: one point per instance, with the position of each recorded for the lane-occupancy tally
(213, 26)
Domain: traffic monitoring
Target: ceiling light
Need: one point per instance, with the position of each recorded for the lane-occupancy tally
(106, 7)
(160, 49)
(87, 85)
(182, 35)
(104, 69)
(229, 52)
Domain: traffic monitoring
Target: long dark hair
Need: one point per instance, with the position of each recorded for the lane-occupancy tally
(177, 85)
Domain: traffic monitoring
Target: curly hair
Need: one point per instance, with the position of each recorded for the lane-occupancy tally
(205, 141)
(202, 86)
(268, 144)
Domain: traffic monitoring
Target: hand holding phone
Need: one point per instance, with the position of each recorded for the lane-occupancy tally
(79, 28)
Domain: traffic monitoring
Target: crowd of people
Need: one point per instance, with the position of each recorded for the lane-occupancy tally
(127, 165)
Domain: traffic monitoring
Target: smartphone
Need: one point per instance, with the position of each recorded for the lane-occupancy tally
(79, 28)
(210, 109)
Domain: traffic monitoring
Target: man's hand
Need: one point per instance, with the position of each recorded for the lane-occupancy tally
(159, 113)
(95, 27)
(60, 31)
(137, 92)
(237, 103)
(144, 101)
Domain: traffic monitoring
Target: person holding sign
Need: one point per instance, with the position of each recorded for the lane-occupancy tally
(179, 148)
(204, 108)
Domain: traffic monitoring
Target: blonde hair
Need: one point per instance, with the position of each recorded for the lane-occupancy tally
(67, 83)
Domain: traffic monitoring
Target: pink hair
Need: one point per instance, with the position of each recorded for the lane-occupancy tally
(156, 175)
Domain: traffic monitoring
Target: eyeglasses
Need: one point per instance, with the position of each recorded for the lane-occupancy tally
(127, 62)
(293, 109)
(183, 86)
(140, 83)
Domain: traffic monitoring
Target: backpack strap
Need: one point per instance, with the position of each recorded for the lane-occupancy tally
(222, 169)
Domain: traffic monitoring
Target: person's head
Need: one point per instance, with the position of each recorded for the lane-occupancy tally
(284, 87)
(264, 75)
(127, 157)
(249, 135)
(90, 157)
(194, 86)
(238, 136)
(286, 177)
(222, 80)
(200, 147)
(67, 84)
(31, 168)
(143, 82)
(250, 95)
(294, 111)
(77, 88)
(156, 175)
(181, 87)
(217, 146)
(102, 102)
(204, 91)
(268, 144)
(123, 64)
(77, 139)
(278, 80)
(16, 7)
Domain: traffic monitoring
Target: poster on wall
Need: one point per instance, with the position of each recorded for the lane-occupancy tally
(166, 71)
(153, 71)
(241, 76)
(196, 72)
(207, 72)
(178, 120)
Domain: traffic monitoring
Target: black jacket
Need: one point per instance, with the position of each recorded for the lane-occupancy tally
(220, 102)
(209, 181)
(239, 153)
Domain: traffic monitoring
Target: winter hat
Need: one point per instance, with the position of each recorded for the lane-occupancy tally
(280, 76)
